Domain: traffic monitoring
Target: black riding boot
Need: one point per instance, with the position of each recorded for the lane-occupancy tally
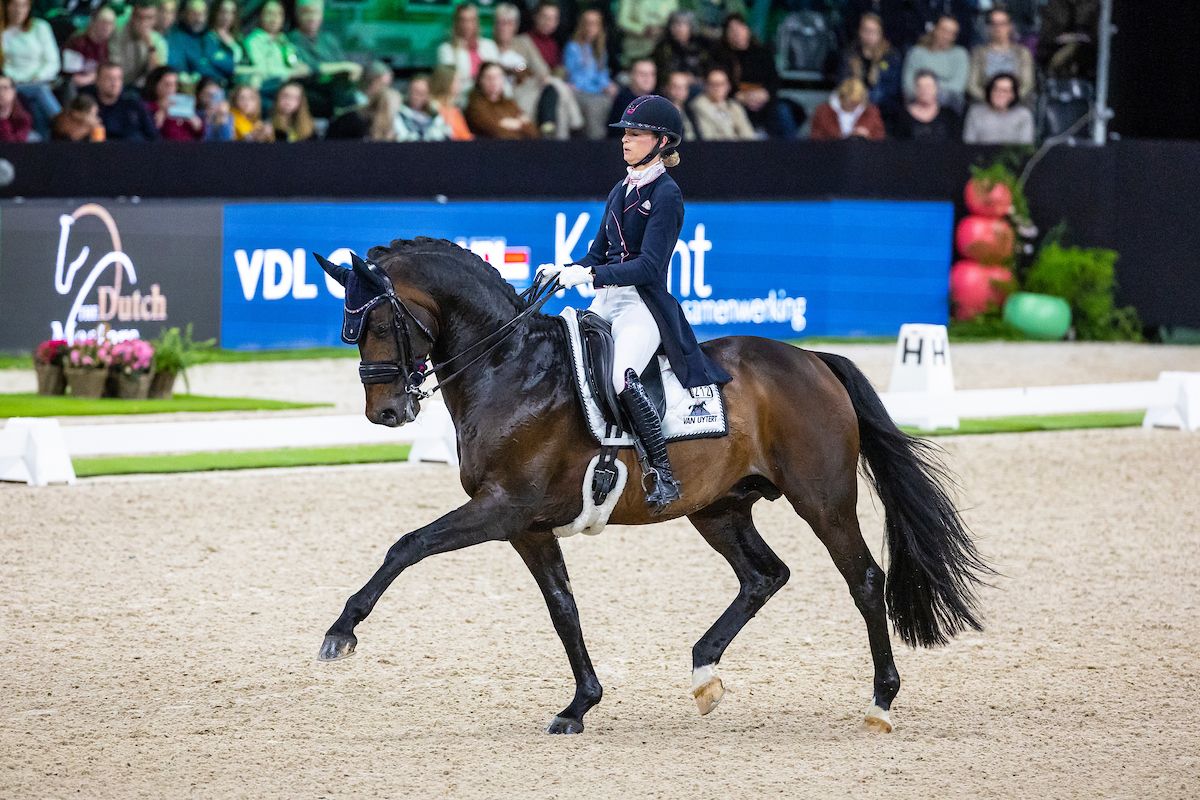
(649, 430)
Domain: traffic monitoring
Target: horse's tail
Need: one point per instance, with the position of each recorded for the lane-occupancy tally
(934, 569)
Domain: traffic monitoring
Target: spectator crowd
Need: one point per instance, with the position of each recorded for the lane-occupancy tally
(263, 71)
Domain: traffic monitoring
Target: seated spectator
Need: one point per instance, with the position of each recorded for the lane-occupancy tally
(443, 87)
(31, 60)
(1002, 53)
(925, 119)
(138, 47)
(541, 95)
(678, 90)
(1001, 120)
(419, 119)
(223, 42)
(246, 111)
(332, 88)
(643, 77)
(15, 122)
(642, 23)
(719, 117)
(543, 37)
(872, 60)
(466, 50)
(175, 120)
(187, 47)
(586, 61)
(292, 120)
(490, 114)
(680, 50)
(751, 67)
(168, 12)
(848, 113)
(376, 77)
(123, 114)
(381, 115)
(711, 15)
(88, 49)
(1066, 46)
(936, 52)
(270, 53)
(356, 122)
(213, 109)
(78, 122)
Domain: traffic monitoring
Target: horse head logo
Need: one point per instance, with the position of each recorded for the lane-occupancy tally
(64, 275)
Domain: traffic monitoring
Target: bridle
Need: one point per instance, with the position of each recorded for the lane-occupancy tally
(416, 371)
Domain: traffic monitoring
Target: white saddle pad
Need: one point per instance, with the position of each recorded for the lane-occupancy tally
(690, 414)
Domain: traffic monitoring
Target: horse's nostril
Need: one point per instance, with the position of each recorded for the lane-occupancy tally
(387, 416)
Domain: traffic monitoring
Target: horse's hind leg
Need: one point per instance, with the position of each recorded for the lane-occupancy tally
(835, 521)
(729, 529)
(543, 556)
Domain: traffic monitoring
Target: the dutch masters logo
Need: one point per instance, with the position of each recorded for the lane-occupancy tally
(105, 310)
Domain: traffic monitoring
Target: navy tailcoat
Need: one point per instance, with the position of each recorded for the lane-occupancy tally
(633, 248)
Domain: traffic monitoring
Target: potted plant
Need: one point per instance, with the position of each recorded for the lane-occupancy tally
(131, 363)
(48, 363)
(86, 367)
(174, 352)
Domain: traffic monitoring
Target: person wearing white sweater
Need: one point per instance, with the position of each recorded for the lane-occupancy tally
(31, 59)
(1000, 120)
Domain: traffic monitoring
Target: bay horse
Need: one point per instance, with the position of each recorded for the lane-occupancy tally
(799, 422)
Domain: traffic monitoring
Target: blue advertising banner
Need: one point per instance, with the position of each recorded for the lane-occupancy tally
(777, 269)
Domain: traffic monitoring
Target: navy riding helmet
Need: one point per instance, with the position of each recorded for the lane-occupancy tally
(652, 112)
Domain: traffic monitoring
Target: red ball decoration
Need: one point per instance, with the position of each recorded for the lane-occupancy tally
(987, 201)
(975, 287)
(985, 239)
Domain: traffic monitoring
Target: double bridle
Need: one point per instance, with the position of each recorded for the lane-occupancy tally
(418, 370)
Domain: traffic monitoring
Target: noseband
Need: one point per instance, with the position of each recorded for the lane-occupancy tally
(416, 371)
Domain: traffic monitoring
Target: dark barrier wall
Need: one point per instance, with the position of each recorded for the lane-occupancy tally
(1135, 196)
(67, 268)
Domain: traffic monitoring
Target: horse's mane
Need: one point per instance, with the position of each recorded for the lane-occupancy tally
(443, 266)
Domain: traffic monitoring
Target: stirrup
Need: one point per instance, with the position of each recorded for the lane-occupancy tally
(666, 489)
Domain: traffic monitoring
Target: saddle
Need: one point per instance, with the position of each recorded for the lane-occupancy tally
(596, 340)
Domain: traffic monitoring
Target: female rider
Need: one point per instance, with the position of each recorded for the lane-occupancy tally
(627, 264)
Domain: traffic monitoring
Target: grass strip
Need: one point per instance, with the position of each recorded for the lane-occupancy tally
(240, 459)
(35, 405)
(1049, 422)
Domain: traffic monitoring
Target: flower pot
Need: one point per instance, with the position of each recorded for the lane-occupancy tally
(50, 379)
(86, 381)
(987, 201)
(162, 385)
(986, 240)
(134, 386)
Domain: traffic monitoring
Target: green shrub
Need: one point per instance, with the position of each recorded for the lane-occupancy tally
(1084, 277)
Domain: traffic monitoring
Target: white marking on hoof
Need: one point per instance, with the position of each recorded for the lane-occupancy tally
(878, 720)
(707, 688)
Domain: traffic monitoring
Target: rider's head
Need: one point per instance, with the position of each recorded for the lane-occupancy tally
(653, 129)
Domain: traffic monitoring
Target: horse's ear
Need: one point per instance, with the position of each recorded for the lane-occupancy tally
(364, 271)
(338, 273)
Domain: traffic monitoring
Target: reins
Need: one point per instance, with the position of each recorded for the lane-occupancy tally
(532, 298)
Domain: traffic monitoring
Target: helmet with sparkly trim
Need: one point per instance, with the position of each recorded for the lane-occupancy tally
(652, 112)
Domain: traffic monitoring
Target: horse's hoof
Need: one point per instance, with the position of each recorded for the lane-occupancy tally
(877, 720)
(337, 647)
(565, 725)
(707, 688)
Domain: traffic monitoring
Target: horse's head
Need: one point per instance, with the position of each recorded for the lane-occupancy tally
(394, 328)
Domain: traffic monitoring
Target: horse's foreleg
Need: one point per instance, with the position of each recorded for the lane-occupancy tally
(731, 532)
(488, 518)
(543, 556)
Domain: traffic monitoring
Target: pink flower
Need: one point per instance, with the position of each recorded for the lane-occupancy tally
(75, 358)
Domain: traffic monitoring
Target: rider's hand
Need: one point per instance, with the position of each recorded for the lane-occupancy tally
(547, 272)
(574, 275)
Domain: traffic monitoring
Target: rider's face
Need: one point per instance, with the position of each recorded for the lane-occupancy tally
(636, 145)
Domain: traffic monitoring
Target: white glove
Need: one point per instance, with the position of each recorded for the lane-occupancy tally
(546, 273)
(575, 275)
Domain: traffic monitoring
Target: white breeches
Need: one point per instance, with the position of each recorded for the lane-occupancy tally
(635, 333)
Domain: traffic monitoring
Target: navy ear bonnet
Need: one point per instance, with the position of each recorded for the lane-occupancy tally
(362, 294)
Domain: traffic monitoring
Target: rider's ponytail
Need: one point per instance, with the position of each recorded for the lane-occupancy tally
(671, 159)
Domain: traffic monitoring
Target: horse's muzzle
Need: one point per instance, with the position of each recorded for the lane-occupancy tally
(393, 416)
